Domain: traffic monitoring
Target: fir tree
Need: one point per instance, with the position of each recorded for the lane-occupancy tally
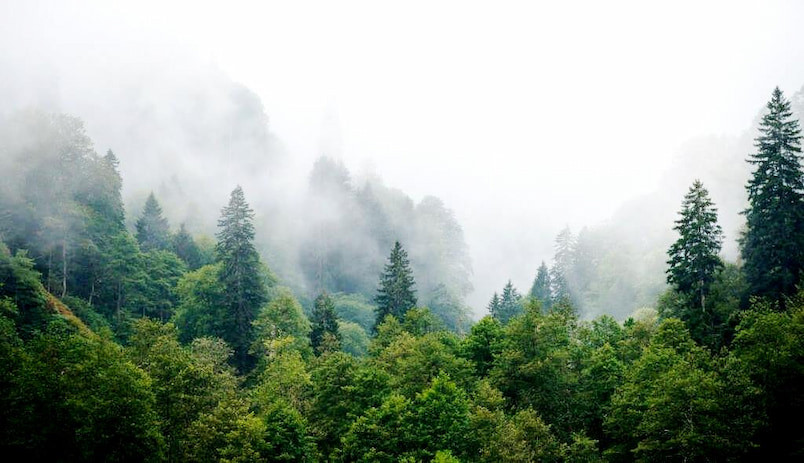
(510, 304)
(153, 232)
(325, 335)
(494, 305)
(694, 256)
(773, 244)
(396, 294)
(240, 274)
(541, 287)
(185, 247)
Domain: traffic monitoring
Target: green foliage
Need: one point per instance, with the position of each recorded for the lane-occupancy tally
(20, 286)
(200, 309)
(283, 317)
(435, 420)
(355, 308)
(770, 348)
(694, 256)
(535, 367)
(73, 398)
(676, 403)
(773, 243)
(354, 339)
(396, 294)
(420, 321)
(413, 362)
(540, 290)
(508, 306)
(483, 344)
(153, 232)
(241, 275)
(186, 248)
(324, 336)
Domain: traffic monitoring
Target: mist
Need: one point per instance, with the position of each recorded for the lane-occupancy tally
(515, 123)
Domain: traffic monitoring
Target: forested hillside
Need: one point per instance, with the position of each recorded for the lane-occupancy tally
(149, 342)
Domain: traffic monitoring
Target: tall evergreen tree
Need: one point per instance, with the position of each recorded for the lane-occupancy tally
(153, 232)
(240, 274)
(396, 294)
(541, 286)
(325, 335)
(773, 244)
(510, 304)
(694, 256)
(560, 273)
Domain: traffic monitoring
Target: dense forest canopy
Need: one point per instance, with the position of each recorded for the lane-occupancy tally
(149, 342)
(184, 279)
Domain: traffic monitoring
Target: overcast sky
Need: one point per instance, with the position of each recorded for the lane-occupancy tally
(520, 115)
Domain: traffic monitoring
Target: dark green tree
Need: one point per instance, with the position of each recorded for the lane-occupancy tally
(694, 256)
(396, 293)
(241, 275)
(510, 304)
(186, 248)
(325, 335)
(494, 304)
(773, 244)
(541, 286)
(152, 228)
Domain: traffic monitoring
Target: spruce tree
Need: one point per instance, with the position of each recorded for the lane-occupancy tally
(240, 274)
(773, 244)
(510, 304)
(185, 247)
(153, 232)
(494, 305)
(325, 335)
(541, 287)
(396, 294)
(694, 256)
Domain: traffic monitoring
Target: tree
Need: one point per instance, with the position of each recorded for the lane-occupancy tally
(510, 304)
(541, 286)
(241, 275)
(396, 293)
(562, 266)
(185, 247)
(494, 304)
(325, 334)
(153, 232)
(694, 256)
(773, 244)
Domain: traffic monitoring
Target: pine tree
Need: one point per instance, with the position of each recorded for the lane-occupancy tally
(560, 273)
(510, 304)
(694, 256)
(185, 247)
(240, 274)
(396, 294)
(152, 228)
(541, 287)
(494, 305)
(773, 244)
(325, 335)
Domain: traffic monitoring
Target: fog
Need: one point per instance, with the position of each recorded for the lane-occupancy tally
(522, 118)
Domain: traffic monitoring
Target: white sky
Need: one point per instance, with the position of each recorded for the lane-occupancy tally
(517, 114)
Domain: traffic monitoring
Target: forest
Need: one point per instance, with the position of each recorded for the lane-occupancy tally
(127, 336)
